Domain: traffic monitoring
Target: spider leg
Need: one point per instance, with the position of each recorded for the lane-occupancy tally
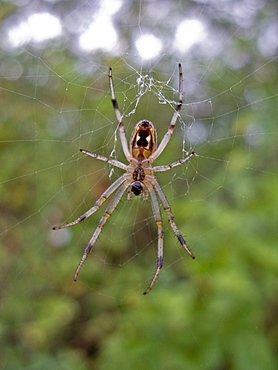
(174, 164)
(119, 117)
(98, 203)
(158, 220)
(170, 215)
(114, 162)
(171, 127)
(109, 210)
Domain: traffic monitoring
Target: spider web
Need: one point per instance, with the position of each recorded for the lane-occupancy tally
(73, 123)
(55, 102)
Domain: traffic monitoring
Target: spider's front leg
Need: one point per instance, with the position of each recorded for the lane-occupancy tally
(109, 210)
(170, 215)
(159, 223)
(98, 203)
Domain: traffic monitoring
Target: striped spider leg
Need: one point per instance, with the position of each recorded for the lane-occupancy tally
(139, 178)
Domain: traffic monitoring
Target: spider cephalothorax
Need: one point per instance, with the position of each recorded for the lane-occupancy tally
(139, 178)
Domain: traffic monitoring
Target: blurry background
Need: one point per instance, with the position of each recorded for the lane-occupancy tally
(216, 312)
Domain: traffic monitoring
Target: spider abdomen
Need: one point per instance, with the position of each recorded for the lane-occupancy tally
(143, 140)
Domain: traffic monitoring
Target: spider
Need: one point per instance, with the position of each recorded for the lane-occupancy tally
(139, 178)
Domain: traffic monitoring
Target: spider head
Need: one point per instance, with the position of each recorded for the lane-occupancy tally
(143, 140)
(136, 188)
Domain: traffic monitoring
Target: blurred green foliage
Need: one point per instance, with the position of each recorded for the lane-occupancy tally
(217, 312)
